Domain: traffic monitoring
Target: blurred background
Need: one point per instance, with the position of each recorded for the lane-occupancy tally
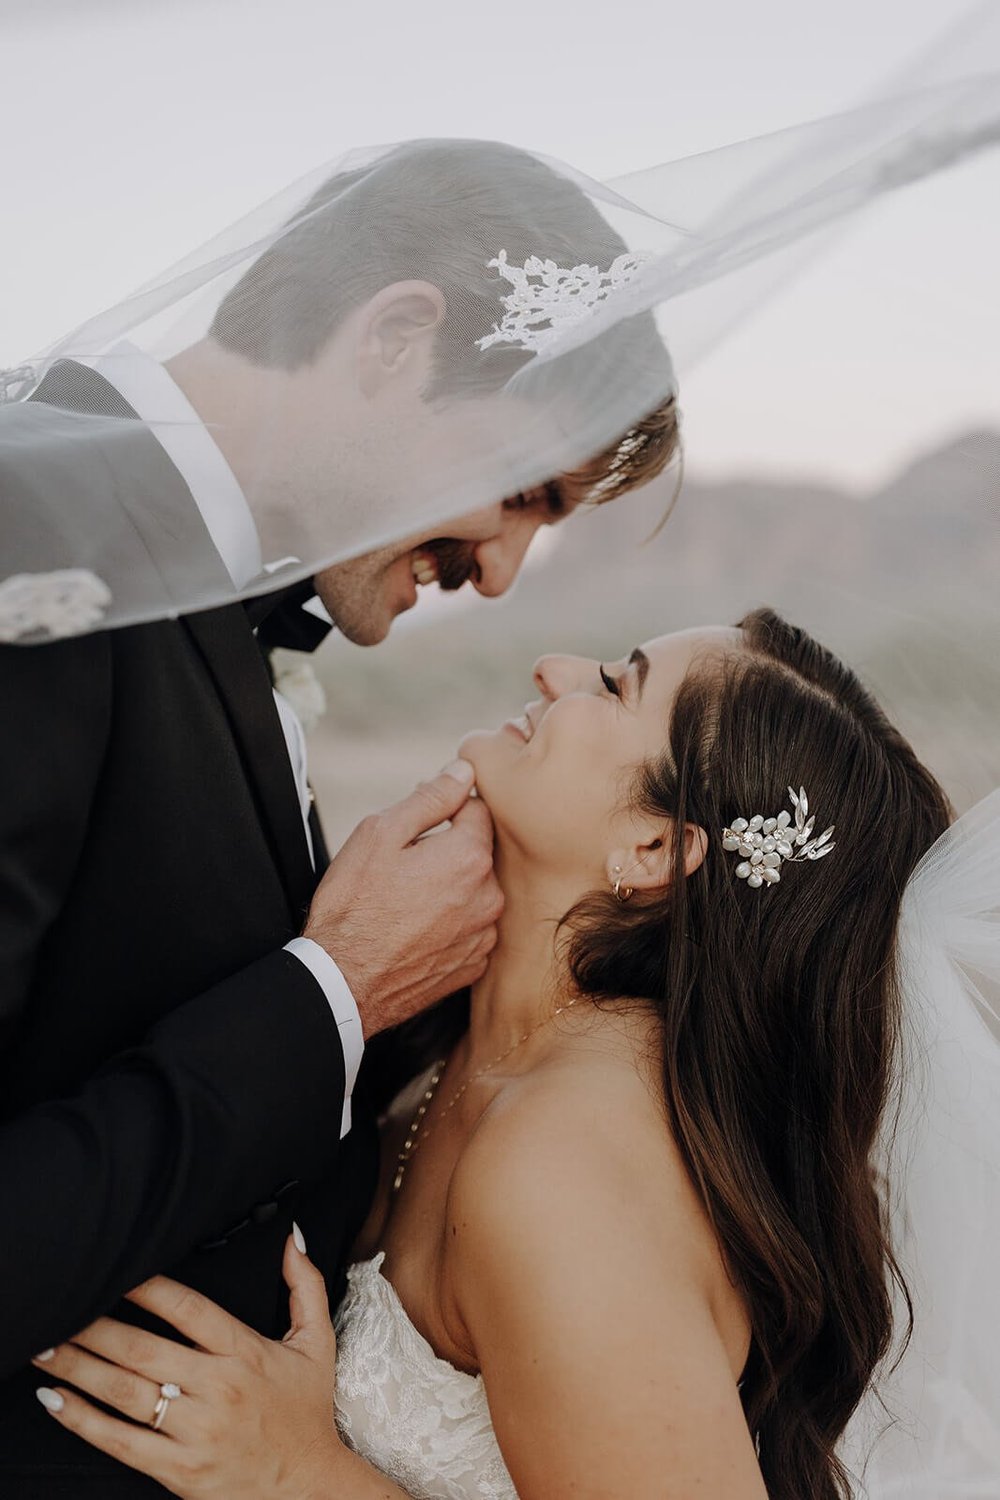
(841, 442)
(902, 583)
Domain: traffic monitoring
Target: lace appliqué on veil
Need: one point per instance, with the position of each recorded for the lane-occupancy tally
(548, 298)
(51, 606)
(414, 1416)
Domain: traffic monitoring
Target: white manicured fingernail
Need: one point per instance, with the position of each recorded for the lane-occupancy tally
(45, 1354)
(299, 1238)
(460, 770)
(51, 1400)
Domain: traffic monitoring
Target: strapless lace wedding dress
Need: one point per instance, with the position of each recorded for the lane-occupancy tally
(414, 1416)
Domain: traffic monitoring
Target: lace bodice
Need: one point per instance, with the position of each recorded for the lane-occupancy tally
(413, 1415)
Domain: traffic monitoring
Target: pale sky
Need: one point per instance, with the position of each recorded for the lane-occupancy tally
(134, 129)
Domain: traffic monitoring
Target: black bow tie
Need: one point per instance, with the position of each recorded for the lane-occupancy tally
(281, 620)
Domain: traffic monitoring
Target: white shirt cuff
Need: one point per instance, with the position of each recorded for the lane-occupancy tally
(345, 1012)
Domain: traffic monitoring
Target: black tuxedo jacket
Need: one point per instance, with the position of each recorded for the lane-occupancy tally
(171, 1082)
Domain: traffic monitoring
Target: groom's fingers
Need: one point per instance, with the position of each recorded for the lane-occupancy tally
(473, 821)
(402, 915)
(463, 978)
(471, 964)
(432, 802)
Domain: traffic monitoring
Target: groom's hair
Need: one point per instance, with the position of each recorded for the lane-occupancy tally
(439, 211)
(780, 1016)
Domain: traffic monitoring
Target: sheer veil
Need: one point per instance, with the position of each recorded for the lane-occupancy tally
(931, 1431)
(572, 309)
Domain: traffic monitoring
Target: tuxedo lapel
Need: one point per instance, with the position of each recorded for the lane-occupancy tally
(167, 542)
(175, 537)
(226, 642)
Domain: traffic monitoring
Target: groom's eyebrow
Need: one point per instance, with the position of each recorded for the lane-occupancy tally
(640, 661)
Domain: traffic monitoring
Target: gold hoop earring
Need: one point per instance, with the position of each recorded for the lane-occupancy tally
(622, 892)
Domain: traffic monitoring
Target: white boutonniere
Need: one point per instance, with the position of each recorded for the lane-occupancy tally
(296, 681)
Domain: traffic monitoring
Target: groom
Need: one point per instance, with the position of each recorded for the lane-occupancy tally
(184, 994)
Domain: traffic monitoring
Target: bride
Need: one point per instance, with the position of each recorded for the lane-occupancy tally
(628, 1239)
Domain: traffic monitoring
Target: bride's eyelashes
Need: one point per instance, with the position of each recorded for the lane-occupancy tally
(613, 684)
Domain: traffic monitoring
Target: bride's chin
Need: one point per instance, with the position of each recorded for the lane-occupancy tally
(483, 749)
(475, 746)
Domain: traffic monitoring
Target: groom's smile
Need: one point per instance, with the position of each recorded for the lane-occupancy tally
(365, 594)
(446, 562)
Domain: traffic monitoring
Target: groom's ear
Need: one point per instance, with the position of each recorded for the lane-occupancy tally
(396, 335)
(648, 865)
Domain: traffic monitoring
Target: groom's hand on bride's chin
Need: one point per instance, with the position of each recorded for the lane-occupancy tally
(410, 919)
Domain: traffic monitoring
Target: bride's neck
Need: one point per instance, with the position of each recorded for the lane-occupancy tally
(526, 979)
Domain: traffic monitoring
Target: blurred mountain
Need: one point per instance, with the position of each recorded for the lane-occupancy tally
(938, 519)
(904, 583)
(966, 473)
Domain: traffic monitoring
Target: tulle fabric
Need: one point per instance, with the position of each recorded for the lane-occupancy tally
(932, 1429)
(715, 234)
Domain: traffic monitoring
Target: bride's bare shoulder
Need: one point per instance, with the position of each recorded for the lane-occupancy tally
(583, 1139)
(573, 1188)
(581, 1283)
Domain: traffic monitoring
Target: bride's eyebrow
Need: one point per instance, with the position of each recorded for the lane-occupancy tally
(640, 660)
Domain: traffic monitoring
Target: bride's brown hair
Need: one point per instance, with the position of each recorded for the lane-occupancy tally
(780, 1015)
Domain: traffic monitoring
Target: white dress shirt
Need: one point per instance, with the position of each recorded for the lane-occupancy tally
(157, 399)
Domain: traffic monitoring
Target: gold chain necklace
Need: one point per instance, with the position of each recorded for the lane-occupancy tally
(416, 1133)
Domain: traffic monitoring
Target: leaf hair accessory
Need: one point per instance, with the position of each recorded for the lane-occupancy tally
(769, 843)
(553, 296)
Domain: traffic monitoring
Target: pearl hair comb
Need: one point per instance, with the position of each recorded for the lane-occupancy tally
(769, 843)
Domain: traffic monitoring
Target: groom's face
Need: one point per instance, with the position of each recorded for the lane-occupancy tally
(485, 548)
(390, 440)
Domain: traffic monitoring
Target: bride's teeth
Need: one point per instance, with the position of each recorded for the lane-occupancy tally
(424, 569)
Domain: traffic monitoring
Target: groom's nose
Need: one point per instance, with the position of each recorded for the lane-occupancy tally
(500, 558)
